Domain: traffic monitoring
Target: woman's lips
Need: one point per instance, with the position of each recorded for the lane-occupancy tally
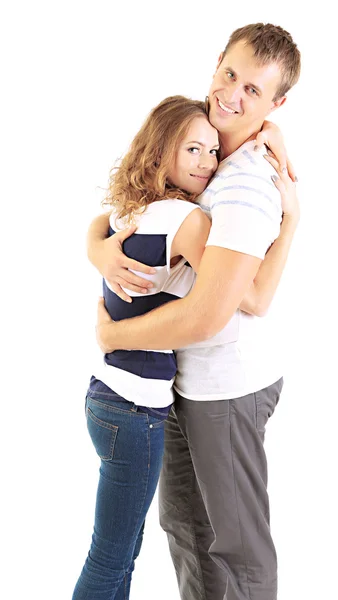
(200, 177)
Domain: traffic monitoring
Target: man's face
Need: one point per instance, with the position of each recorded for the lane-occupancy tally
(242, 93)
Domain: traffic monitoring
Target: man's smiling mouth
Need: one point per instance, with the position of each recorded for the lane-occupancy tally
(225, 108)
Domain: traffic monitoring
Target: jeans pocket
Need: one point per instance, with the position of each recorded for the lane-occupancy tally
(103, 435)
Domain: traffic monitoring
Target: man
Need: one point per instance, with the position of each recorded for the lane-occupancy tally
(213, 497)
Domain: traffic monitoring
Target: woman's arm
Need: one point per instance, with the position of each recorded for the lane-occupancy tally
(262, 290)
(106, 254)
(191, 238)
(271, 136)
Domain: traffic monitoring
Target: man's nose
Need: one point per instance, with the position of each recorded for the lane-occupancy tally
(234, 92)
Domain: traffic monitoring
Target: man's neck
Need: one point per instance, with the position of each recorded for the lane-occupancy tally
(230, 142)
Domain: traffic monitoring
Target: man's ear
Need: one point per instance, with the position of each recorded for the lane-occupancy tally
(278, 103)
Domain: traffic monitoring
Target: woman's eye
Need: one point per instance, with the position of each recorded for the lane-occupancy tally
(214, 152)
(193, 150)
(230, 75)
(253, 91)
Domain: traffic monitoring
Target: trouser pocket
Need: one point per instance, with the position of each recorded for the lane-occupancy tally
(266, 402)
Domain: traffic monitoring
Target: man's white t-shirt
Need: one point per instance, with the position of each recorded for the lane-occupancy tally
(246, 212)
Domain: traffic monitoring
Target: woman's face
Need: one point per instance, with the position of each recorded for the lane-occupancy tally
(196, 157)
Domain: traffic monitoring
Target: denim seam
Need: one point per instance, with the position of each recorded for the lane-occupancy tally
(100, 422)
(115, 409)
(146, 483)
(153, 410)
(95, 395)
(125, 588)
(109, 394)
(157, 424)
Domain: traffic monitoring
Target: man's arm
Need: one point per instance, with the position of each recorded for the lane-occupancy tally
(107, 256)
(97, 233)
(245, 221)
(223, 278)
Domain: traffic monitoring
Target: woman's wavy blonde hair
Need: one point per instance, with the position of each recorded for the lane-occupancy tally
(142, 176)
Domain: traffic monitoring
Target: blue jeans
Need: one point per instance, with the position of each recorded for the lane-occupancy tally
(130, 446)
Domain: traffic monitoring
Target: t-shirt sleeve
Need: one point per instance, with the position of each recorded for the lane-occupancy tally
(181, 209)
(246, 211)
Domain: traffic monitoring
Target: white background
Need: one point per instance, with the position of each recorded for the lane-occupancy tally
(78, 79)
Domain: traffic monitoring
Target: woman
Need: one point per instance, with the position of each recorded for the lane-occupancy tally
(170, 162)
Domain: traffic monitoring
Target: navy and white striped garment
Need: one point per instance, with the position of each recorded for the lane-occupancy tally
(145, 377)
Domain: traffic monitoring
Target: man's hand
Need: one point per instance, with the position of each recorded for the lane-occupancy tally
(106, 254)
(272, 137)
(103, 324)
(118, 272)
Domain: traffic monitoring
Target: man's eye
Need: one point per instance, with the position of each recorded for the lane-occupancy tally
(230, 75)
(253, 91)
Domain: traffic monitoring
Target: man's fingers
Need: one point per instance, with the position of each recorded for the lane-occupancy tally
(134, 265)
(100, 303)
(100, 308)
(131, 286)
(103, 320)
(120, 292)
(124, 282)
(102, 314)
(128, 278)
(126, 233)
(135, 288)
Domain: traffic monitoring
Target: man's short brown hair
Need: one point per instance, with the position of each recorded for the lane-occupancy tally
(271, 44)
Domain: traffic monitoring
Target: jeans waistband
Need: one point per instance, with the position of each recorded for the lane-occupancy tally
(99, 389)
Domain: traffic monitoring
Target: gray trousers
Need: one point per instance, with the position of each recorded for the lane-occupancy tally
(213, 497)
